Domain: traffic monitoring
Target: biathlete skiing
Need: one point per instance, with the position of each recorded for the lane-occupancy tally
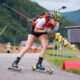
(44, 24)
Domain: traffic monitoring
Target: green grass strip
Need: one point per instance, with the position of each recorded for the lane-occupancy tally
(58, 62)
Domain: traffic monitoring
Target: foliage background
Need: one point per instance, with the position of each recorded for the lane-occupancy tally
(73, 16)
(17, 26)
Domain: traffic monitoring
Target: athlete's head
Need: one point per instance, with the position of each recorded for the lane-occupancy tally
(53, 22)
(55, 15)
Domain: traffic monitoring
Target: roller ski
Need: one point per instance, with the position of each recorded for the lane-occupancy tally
(15, 65)
(39, 67)
(16, 68)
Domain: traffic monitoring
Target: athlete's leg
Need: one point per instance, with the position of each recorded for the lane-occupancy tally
(44, 41)
(30, 41)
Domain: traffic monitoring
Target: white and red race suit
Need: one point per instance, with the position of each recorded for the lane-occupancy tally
(44, 23)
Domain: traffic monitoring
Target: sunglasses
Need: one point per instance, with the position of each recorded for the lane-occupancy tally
(56, 20)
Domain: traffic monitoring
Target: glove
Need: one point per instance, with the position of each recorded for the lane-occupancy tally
(52, 31)
(48, 31)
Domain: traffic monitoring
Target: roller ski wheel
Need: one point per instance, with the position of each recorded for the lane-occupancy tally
(10, 67)
(33, 68)
(20, 68)
(50, 71)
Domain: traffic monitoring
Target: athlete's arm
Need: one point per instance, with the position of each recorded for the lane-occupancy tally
(37, 30)
(40, 23)
(55, 28)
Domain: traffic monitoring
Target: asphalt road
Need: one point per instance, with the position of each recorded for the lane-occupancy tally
(27, 74)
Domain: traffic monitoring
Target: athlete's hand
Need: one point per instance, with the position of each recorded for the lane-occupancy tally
(52, 31)
(48, 31)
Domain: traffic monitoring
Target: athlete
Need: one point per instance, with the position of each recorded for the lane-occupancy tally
(44, 24)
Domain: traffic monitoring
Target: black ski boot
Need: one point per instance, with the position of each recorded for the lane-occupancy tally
(15, 64)
(39, 66)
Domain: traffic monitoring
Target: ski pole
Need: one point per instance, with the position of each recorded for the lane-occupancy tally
(63, 7)
(3, 30)
(17, 12)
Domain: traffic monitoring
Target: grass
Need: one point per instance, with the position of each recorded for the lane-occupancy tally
(58, 62)
(65, 52)
(75, 71)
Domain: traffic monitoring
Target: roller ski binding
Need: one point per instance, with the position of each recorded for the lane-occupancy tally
(34, 68)
(16, 68)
